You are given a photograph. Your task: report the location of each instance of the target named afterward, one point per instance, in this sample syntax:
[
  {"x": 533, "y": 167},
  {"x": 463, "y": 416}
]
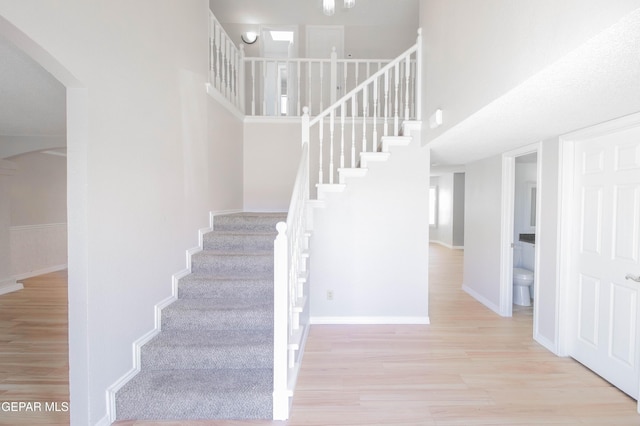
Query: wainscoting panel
[{"x": 38, "y": 249}]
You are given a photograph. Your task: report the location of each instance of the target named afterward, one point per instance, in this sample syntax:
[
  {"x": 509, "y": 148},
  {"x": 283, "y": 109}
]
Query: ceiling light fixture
[
  {"x": 328, "y": 7},
  {"x": 249, "y": 37}
]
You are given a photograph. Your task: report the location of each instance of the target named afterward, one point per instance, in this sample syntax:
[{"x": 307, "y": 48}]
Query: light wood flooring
[
  {"x": 468, "y": 367},
  {"x": 34, "y": 352}
]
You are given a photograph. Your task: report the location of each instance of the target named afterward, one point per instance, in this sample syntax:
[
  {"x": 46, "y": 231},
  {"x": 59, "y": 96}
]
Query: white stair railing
[
  {"x": 290, "y": 301},
  {"x": 377, "y": 105},
  {"x": 226, "y": 70},
  {"x": 280, "y": 86}
]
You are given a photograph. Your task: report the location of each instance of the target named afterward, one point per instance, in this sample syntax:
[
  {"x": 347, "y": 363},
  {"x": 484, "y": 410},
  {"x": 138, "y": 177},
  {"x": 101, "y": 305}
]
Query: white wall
[
  {"x": 369, "y": 247},
  {"x": 477, "y": 51},
  {"x": 482, "y": 231},
  {"x": 271, "y": 156},
  {"x": 142, "y": 132}
]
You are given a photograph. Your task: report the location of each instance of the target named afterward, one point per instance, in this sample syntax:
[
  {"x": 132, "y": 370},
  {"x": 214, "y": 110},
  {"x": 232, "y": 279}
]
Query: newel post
[
  {"x": 305, "y": 125},
  {"x": 280, "y": 323},
  {"x": 334, "y": 75},
  {"x": 419, "y": 75}
]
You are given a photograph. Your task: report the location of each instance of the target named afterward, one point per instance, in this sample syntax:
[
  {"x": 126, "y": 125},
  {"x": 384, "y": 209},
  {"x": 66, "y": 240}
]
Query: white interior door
[{"x": 606, "y": 244}]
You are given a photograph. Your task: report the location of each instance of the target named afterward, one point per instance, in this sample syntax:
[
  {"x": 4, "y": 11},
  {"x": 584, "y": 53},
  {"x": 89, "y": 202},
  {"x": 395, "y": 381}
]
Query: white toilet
[{"x": 522, "y": 280}]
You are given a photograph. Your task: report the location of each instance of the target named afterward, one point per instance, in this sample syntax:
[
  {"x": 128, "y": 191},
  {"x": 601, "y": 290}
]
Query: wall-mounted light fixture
[
  {"x": 436, "y": 119},
  {"x": 249, "y": 37}
]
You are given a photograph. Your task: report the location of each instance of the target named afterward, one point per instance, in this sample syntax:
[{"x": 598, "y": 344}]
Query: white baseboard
[
  {"x": 103, "y": 421},
  {"x": 345, "y": 320},
  {"x": 548, "y": 344},
  {"x": 486, "y": 302},
  {"x": 42, "y": 271},
  {"x": 9, "y": 286}
]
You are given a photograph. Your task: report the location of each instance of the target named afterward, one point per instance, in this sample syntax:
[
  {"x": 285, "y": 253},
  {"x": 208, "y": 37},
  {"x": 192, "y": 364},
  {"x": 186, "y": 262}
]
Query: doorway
[
  {"x": 520, "y": 208},
  {"x": 76, "y": 135}
]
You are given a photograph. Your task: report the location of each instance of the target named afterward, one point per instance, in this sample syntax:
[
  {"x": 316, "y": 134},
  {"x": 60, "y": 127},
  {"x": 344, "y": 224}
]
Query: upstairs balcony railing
[{"x": 280, "y": 87}]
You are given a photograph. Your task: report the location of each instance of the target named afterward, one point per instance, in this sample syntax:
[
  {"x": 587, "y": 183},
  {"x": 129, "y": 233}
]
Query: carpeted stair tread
[
  {"x": 239, "y": 241},
  {"x": 248, "y": 221},
  {"x": 197, "y": 314},
  {"x": 175, "y": 349},
  {"x": 234, "y": 264},
  {"x": 197, "y": 394},
  {"x": 195, "y": 286}
]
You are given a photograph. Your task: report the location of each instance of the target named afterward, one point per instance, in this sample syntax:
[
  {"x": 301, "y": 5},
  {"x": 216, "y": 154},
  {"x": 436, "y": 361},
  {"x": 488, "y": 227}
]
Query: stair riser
[
  {"x": 197, "y": 319},
  {"x": 233, "y": 265},
  {"x": 239, "y": 242},
  {"x": 179, "y": 357}
]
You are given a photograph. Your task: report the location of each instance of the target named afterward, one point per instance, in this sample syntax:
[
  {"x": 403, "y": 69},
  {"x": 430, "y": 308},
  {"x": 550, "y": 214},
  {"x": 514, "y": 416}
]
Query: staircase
[{"x": 213, "y": 358}]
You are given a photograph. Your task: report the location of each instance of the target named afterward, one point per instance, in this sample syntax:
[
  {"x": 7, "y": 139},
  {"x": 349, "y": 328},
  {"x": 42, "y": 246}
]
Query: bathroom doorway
[
  {"x": 520, "y": 210},
  {"x": 524, "y": 232}
]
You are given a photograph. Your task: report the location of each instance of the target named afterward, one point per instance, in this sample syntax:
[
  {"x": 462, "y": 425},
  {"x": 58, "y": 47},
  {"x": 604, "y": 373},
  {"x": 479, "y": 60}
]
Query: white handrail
[
  {"x": 395, "y": 81},
  {"x": 289, "y": 298}
]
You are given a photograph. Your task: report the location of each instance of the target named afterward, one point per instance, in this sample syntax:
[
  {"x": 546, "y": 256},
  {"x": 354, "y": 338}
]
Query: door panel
[{"x": 607, "y": 247}]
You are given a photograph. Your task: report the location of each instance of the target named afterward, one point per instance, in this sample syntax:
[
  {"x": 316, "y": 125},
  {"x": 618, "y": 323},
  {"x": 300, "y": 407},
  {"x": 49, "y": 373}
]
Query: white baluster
[
  {"x": 365, "y": 105},
  {"x": 354, "y": 113},
  {"x": 321, "y": 89},
  {"x": 276, "y": 101},
  {"x": 309, "y": 66},
  {"x": 241, "y": 81},
  {"x": 396, "y": 76},
  {"x": 264, "y": 87},
  {"x": 418, "y": 74},
  {"x": 212, "y": 75},
  {"x": 342, "y": 117},
  {"x": 218, "y": 57},
  {"x": 333, "y": 69},
  {"x": 286, "y": 64},
  {"x": 331, "y": 132},
  {"x": 344, "y": 86},
  {"x": 407, "y": 70},
  {"x": 386, "y": 102},
  {"x": 253, "y": 87},
  {"x": 356, "y": 85},
  {"x": 375, "y": 114},
  {"x": 299, "y": 80},
  {"x": 320, "y": 150}
]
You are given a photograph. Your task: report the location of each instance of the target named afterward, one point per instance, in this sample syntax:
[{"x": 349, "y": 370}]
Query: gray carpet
[{"x": 213, "y": 358}]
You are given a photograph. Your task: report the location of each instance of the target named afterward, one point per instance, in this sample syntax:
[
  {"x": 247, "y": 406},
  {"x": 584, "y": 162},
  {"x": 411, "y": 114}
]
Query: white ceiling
[
  {"x": 309, "y": 12},
  {"x": 32, "y": 104},
  {"x": 597, "y": 82}
]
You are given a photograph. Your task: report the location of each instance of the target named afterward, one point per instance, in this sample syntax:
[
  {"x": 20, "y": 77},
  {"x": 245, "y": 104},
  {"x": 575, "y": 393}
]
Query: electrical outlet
[{"x": 329, "y": 294}]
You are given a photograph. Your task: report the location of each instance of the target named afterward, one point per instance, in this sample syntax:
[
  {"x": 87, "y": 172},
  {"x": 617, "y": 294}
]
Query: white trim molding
[
  {"x": 486, "y": 302},
  {"x": 10, "y": 285}
]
